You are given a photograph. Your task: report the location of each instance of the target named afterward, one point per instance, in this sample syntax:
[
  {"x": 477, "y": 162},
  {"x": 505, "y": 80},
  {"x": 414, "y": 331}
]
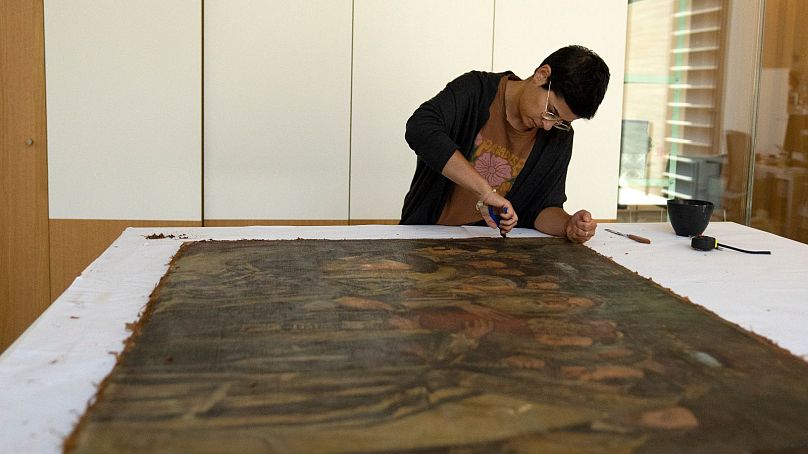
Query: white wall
[
  {"x": 123, "y": 109},
  {"x": 526, "y": 31},
  {"x": 305, "y": 102},
  {"x": 277, "y": 109},
  {"x": 405, "y": 51}
]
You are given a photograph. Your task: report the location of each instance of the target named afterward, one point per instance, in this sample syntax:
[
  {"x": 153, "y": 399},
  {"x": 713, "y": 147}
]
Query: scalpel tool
[
  {"x": 496, "y": 217},
  {"x": 636, "y": 238}
]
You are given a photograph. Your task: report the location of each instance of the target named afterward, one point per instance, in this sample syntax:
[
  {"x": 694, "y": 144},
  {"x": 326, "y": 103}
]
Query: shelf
[
  {"x": 691, "y": 87},
  {"x": 679, "y": 158},
  {"x": 693, "y": 50},
  {"x": 697, "y": 12},
  {"x": 687, "y": 142},
  {"x": 688, "y": 105},
  {"x": 693, "y": 158},
  {"x": 675, "y": 194},
  {"x": 689, "y": 124},
  {"x": 694, "y": 68},
  {"x": 696, "y": 31},
  {"x": 674, "y": 176}
]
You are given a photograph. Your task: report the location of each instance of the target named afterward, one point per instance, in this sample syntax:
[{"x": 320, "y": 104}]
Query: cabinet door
[
  {"x": 277, "y": 109},
  {"x": 527, "y": 31},
  {"x": 405, "y": 51},
  {"x": 23, "y": 171},
  {"x": 124, "y": 111}
]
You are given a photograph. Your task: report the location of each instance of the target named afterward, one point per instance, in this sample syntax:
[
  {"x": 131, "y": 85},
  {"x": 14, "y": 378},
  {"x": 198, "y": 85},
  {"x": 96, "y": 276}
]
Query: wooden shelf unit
[{"x": 692, "y": 135}]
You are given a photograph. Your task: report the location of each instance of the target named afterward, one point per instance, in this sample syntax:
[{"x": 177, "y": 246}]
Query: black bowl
[{"x": 689, "y": 217}]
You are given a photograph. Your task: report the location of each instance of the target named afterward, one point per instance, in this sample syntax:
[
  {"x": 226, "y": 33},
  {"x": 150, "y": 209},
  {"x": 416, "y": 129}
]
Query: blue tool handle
[{"x": 493, "y": 214}]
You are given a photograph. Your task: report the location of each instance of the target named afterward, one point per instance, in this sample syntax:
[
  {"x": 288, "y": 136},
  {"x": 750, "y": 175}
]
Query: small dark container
[{"x": 689, "y": 217}]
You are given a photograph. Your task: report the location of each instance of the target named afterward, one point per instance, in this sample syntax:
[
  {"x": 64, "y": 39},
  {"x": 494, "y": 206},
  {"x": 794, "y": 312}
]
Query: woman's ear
[{"x": 542, "y": 75}]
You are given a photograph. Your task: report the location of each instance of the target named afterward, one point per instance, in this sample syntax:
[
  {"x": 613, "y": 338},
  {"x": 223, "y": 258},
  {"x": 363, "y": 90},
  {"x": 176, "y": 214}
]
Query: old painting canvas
[{"x": 480, "y": 345}]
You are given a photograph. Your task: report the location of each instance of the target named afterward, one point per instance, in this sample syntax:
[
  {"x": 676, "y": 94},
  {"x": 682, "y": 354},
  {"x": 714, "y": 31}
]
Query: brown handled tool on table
[{"x": 636, "y": 238}]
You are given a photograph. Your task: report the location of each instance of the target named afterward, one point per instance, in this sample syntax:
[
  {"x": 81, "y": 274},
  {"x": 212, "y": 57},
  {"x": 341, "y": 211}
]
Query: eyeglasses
[{"x": 558, "y": 123}]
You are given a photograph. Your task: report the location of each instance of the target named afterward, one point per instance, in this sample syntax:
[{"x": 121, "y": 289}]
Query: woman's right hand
[{"x": 502, "y": 207}]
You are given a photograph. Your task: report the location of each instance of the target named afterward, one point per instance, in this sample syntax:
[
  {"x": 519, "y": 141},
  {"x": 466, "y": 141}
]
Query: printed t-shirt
[{"x": 500, "y": 152}]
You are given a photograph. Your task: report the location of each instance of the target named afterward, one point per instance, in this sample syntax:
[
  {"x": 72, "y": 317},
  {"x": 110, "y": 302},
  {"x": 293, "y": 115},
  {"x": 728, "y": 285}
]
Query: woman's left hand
[{"x": 580, "y": 227}]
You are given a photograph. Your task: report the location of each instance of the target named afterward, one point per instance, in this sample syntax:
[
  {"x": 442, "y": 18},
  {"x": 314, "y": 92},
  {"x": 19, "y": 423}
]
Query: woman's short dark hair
[{"x": 579, "y": 76}]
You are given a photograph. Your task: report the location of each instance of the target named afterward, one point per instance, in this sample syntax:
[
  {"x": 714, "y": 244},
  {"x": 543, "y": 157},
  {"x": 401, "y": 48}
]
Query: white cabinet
[
  {"x": 405, "y": 51},
  {"x": 526, "y": 31},
  {"x": 124, "y": 109},
  {"x": 304, "y": 105},
  {"x": 277, "y": 109}
]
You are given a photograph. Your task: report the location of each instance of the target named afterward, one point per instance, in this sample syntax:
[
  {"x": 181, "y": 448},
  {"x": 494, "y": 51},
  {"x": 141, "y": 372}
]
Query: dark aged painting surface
[{"x": 480, "y": 345}]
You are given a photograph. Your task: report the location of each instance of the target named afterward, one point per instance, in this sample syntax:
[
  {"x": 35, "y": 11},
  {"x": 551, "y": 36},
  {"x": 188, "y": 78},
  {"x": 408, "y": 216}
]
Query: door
[
  {"x": 24, "y": 278},
  {"x": 277, "y": 111}
]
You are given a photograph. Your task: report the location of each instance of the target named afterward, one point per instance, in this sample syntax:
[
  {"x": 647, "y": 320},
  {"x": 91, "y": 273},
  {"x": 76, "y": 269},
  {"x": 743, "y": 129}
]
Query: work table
[{"x": 51, "y": 372}]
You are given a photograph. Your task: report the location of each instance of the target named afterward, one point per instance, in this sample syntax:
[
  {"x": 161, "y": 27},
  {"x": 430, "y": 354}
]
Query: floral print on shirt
[{"x": 496, "y": 163}]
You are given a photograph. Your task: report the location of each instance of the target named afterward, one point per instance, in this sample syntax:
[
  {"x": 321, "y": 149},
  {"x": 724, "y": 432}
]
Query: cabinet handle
[{"x": 29, "y": 141}]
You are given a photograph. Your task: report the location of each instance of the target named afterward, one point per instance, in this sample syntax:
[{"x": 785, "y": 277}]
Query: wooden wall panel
[
  {"x": 781, "y": 19},
  {"x": 405, "y": 51},
  {"x": 23, "y": 169},
  {"x": 75, "y": 243}
]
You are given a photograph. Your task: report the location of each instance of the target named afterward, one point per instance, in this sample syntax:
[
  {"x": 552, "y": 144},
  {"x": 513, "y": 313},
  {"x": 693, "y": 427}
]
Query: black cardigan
[{"x": 450, "y": 121}]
